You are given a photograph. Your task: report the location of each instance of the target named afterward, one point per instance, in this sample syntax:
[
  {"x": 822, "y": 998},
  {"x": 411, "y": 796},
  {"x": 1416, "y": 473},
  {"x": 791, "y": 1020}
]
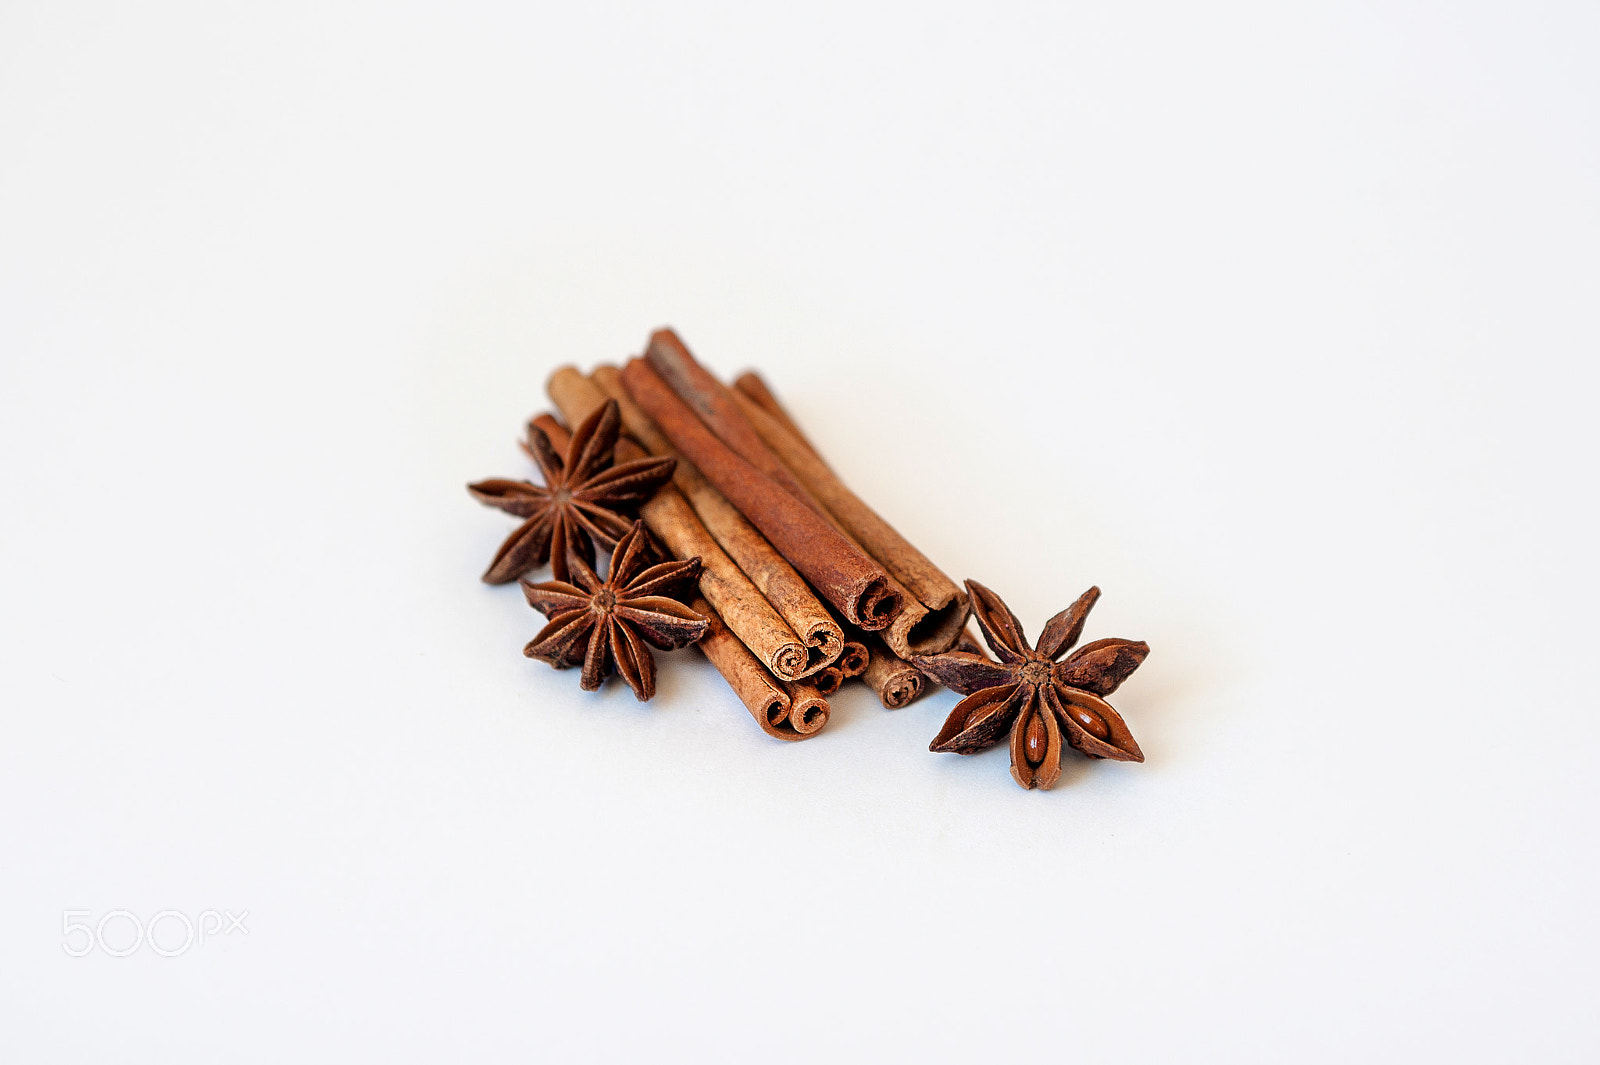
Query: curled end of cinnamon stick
[
  {"x": 778, "y": 712},
  {"x": 901, "y": 689},
  {"x": 808, "y": 709},
  {"x": 827, "y": 680},
  {"x": 876, "y": 605},
  {"x": 852, "y": 661},
  {"x": 774, "y": 713},
  {"x": 924, "y": 630},
  {"x": 824, "y": 644},
  {"x": 901, "y": 693},
  {"x": 896, "y": 681},
  {"x": 790, "y": 662}
]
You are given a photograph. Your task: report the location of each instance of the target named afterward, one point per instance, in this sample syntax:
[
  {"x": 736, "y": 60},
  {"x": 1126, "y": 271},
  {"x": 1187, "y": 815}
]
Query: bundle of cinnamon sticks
[
  {"x": 804, "y": 586},
  {"x": 728, "y": 530}
]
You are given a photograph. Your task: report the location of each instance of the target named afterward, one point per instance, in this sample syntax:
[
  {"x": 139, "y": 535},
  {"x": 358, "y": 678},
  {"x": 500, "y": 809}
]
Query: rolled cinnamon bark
[
  {"x": 784, "y": 588},
  {"x": 716, "y": 406},
  {"x": 755, "y": 389},
  {"x": 757, "y": 437},
  {"x": 808, "y": 710},
  {"x": 853, "y": 659},
  {"x": 856, "y": 585},
  {"x": 827, "y": 680},
  {"x": 947, "y": 606},
  {"x": 669, "y": 516},
  {"x": 768, "y": 700},
  {"x": 913, "y": 614},
  {"x": 896, "y": 681}
]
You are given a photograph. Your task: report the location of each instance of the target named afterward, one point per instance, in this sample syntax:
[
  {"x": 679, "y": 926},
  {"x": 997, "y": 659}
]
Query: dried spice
[
  {"x": 1027, "y": 692},
  {"x": 773, "y": 577},
  {"x": 896, "y": 681},
  {"x": 753, "y": 387},
  {"x": 801, "y": 586},
  {"x": 784, "y": 710},
  {"x": 837, "y": 568},
  {"x": 605, "y": 625},
  {"x": 935, "y": 622},
  {"x": 853, "y": 659},
  {"x": 827, "y": 680},
  {"x": 934, "y": 610},
  {"x": 582, "y": 501},
  {"x": 669, "y": 515}
]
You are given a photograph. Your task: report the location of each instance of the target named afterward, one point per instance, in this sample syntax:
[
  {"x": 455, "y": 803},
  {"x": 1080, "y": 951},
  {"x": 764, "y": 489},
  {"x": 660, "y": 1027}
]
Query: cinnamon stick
[
  {"x": 934, "y": 608},
  {"x": 896, "y": 681},
  {"x": 827, "y": 680},
  {"x": 667, "y": 514},
  {"x": 755, "y": 389},
  {"x": 947, "y": 607},
  {"x": 853, "y": 659},
  {"x": 856, "y": 585},
  {"x": 778, "y": 582},
  {"x": 769, "y": 701},
  {"x": 808, "y": 710},
  {"x": 716, "y": 406}
]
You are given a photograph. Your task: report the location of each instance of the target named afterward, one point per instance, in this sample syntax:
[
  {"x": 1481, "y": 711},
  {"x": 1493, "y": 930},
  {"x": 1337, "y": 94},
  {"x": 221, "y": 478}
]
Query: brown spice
[
  {"x": 605, "y": 625},
  {"x": 777, "y": 581},
  {"x": 1034, "y": 697},
  {"x": 934, "y": 622},
  {"x": 809, "y": 707},
  {"x": 911, "y": 633},
  {"x": 853, "y": 659},
  {"x": 716, "y": 406},
  {"x": 752, "y": 387},
  {"x": 560, "y": 436},
  {"x": 896, "y": 681},
  {"x": 856, "y": 585},
  {"x": 772, "y": 703},
  {"x": 736, "y": 601},
  {"x": 827, "y": 680},
  {"x": 581, "y": 502}
]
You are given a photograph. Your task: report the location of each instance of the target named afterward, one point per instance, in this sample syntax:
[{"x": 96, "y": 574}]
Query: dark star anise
[
  {"x": 604, "y": 625},
  {"x": 1032, "y": 695},
  {"x": 579, "y": 503}
]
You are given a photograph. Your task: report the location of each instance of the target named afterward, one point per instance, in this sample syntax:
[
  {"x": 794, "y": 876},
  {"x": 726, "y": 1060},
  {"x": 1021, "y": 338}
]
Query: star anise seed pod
[
  {"x": 579, "y": 503},
  {"x": 604, "y": 625},
  {"x": 1039, "y": 700}
]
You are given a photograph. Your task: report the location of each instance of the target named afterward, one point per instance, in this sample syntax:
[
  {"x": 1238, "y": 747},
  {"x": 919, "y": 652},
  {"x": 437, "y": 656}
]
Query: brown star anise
[
  {"x": 579, "y": 502},
  {"x": 604, "y": 625},
  {"x": 1034, "y": 696}
]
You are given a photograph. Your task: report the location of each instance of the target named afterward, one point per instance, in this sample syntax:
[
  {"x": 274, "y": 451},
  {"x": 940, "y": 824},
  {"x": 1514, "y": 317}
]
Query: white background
[{"x": 1278, "y": 322}]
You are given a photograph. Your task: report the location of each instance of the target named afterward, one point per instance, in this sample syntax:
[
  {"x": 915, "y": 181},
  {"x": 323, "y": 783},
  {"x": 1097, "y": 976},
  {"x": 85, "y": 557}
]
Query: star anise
[
  {"x": 579, "y": 504},
  {"x": 604, "y": 625},
  {"x": 1029, "y": 693}
]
